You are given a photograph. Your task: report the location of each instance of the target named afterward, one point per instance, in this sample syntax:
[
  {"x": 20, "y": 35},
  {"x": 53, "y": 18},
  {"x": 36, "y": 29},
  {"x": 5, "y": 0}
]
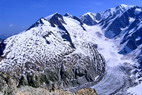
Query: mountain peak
[
  {"x": 68, "y": 14},
  {"x": 89, "y": 18},
  {"x": 124, "y": 6},
  {"x": 38, "y": 22},
  {"x": 53, "y": 15},
  {"x": 89, "y": 13},
  {"x": 55, "y": 19}
]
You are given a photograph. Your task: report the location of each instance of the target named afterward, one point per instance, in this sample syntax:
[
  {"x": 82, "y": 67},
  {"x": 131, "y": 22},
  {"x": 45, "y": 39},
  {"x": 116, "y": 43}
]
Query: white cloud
[{"x": 11, "y": 25}]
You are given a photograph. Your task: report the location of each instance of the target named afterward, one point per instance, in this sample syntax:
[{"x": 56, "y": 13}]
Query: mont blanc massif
[{"x": 99, "y": 51}]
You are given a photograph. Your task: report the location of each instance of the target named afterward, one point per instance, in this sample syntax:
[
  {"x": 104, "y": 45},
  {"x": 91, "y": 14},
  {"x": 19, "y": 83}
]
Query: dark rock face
[
  {"x": 57, "y": 19},
  {"x": 134, "y": 40},
  {"x": 98, "y": 16},
  {"x": 116, "y": 26},
  {"x": 2, "y": 47},
  {"x": 67, "y": 14},
  {"x": 89, "y": 19}
]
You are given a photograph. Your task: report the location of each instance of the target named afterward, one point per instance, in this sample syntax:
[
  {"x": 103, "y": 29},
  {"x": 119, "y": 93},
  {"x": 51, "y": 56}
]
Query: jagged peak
[
  {"x": 53, "y": 15},
  {"x": 57, "y": 20},
  {"x": 68, "y": 15},
  {"x": 89, "y": 13},
  {"x": 117, "y": 10},
  {"x": 41, "y": 21},
  {"x": 124, "y": 6}
]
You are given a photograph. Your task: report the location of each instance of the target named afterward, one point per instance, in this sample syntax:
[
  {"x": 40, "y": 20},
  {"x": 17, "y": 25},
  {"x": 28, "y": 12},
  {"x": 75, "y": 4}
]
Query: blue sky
[{"x": 17, "y": 15}]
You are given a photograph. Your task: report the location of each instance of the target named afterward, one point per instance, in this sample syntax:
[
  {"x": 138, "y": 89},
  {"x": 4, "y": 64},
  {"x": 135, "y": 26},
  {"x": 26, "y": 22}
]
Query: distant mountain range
[
  {"x": 3, "y": 37},
  {"x": 123, "y": 24},
  {"x": 98, "y": 50}
]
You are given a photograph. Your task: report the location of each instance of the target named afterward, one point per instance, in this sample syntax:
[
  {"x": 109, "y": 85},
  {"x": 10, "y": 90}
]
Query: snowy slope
[
  {"x": 21, "y": 47},
  {"x": 136, "y": 90},
  {"x": 107, "y": 47},
  {"x": 117, "y": 78}
]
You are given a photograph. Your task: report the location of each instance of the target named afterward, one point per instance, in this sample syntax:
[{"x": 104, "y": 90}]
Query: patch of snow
[
  {"x": 112, "y": 10},
  {"x": 126, "y": 6},
  {"x": 138, "y": 38},
  {"x": 137, "y": 90},
  {"x": 131, "y": 19},
  {"x": 132, "y": 31},
  {"x": 137, "y": 11}
]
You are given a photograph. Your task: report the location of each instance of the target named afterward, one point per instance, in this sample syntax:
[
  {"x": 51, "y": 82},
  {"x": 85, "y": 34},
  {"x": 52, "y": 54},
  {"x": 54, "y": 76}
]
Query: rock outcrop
[{"x": 37, "y": 91}]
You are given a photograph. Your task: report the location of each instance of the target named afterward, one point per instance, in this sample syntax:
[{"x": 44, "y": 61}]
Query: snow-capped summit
[
  {"x": 112, "y": 13},
  {"x": 125, "y": 6},
  {"x": 90, "y": 18}
]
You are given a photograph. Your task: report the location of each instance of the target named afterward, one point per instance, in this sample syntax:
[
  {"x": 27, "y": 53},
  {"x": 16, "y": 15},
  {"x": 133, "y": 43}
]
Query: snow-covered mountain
[
  {"x": 125, "y": 28},
  {"x": 98, "y": 50},
  {"x": 123, "y": 24},
  {"x": 55, "y": 51}
]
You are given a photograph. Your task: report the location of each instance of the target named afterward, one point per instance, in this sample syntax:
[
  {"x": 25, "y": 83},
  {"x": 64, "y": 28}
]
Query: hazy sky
[{"x": 17, "y": 15}]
